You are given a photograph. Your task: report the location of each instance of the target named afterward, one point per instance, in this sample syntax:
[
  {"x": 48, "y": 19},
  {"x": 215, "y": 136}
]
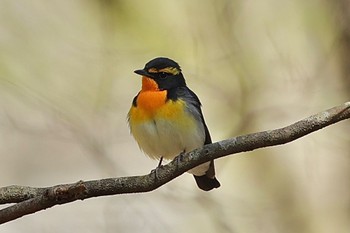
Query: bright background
[{"x": 67, "y": 82}]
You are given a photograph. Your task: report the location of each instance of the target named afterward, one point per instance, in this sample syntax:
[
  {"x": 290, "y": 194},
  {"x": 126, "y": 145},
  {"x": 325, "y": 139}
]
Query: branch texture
[{"x": 30, "y": 199}]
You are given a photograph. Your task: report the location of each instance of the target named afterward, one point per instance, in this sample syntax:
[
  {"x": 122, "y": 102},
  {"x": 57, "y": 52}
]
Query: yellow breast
[
  {"x": 164, "y": 128},
  {"x": 153, "y": 104}
]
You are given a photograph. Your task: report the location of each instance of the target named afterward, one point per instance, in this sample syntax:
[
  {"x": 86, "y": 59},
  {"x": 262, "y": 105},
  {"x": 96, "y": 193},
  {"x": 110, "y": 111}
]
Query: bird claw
[
  {"x": 159, "y": 166},
  {"x": 180, "y": 158},
  {"x": 155, "y": 171}
]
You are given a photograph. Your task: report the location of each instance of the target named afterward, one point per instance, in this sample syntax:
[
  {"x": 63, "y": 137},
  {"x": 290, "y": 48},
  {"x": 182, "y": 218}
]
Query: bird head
[{"x": 161, "y": 74}]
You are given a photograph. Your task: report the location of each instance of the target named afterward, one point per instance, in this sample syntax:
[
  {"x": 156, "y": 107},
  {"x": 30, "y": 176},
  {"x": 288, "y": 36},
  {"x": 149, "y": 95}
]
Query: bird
[{"x": 166, "y": 119}]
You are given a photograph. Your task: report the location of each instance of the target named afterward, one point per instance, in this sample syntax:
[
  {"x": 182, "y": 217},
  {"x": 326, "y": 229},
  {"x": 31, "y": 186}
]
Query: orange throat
[
  {"x": 150, "y": 98},
  {"x": 149, "y": 84}
]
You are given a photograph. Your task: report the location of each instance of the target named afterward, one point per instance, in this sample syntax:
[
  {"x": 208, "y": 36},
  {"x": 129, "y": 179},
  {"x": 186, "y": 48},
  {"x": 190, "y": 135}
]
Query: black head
[{"x": 166, "y": 73}]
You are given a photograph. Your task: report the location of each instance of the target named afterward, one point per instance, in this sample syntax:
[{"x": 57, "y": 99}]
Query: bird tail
[{"x": 208, "y": 181}]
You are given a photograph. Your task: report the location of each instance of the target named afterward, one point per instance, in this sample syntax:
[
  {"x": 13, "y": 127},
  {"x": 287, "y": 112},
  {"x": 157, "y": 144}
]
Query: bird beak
[{"x": 143, "y": 73}]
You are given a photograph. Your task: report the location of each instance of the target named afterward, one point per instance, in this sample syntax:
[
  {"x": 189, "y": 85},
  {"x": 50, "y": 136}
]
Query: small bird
[{"x": 166, "y": 118}]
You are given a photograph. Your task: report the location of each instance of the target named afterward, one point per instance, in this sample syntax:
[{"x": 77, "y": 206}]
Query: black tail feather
[{"x": 205, "y": 183}]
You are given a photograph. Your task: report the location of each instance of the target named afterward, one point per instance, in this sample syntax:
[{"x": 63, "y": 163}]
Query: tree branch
[{"x": 30, "y": 199}]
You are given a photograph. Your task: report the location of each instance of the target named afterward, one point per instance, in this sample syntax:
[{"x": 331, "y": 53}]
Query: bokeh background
[{"x": 67, "y": 82}]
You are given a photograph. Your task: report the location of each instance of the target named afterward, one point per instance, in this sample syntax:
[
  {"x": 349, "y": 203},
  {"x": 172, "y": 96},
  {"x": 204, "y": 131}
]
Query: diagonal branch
[{"x": 30, "y": 200}]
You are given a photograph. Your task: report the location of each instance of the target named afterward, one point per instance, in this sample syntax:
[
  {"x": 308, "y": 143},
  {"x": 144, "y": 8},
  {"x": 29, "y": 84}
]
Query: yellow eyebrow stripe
[
  {"x": 170, "y": 70},
  {"x": 152, "y": 70}
]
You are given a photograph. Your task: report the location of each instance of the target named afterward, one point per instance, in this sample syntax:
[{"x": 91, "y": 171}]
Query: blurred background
[{"x": 67, "y": 82}]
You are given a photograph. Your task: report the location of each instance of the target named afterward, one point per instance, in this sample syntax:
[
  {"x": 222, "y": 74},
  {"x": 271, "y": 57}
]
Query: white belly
[
  {"x": 167, "y": 139},
  {"x": 161, "y": 138}
]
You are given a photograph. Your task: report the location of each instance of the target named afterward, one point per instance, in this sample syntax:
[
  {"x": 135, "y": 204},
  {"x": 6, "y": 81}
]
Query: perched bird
[{"x": 166, "y": 118}]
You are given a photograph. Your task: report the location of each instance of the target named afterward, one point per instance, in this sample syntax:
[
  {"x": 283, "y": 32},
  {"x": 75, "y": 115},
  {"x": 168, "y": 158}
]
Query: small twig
[{"x": 30, "y": 200}]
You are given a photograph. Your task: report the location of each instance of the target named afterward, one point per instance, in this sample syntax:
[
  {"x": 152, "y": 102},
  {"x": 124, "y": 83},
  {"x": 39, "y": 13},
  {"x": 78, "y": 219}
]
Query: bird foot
[
  {"x": 159, "y": 166},
  {"x": 180, "y": 158}
]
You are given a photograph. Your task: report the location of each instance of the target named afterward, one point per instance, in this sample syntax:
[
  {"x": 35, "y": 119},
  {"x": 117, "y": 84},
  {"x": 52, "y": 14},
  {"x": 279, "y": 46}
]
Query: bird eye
[{"x": 163, "y": 75}]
